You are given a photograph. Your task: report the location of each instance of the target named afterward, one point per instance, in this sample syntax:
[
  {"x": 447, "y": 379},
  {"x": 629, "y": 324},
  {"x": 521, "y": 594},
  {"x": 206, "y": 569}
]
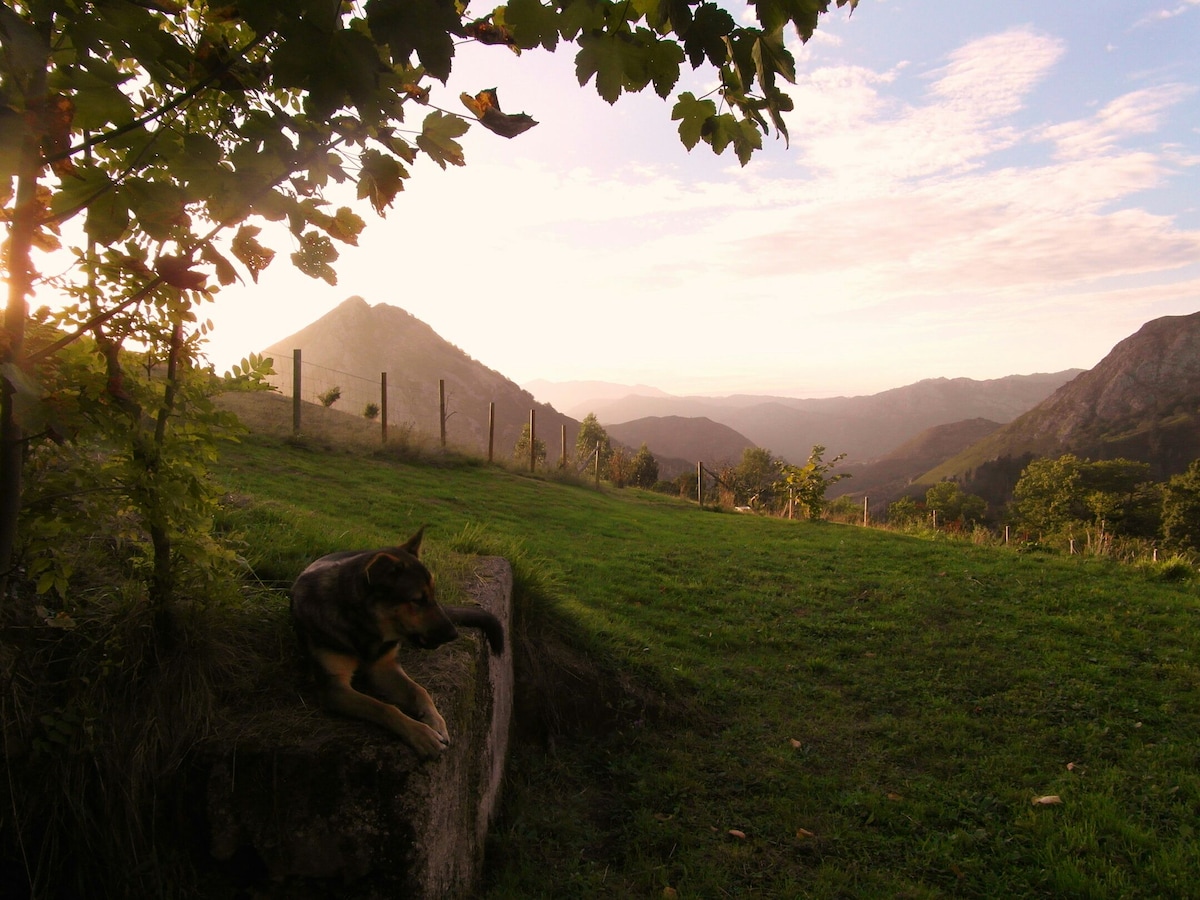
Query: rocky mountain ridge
[{"x": 1142, "y": 401}]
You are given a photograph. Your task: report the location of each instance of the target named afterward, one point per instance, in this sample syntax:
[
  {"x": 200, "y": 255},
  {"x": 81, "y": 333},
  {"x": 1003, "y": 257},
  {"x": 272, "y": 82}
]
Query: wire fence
[{"x": 421, "y": 412}]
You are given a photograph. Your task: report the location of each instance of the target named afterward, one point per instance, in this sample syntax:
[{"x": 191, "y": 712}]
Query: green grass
[{"x": 874, "y": 712}]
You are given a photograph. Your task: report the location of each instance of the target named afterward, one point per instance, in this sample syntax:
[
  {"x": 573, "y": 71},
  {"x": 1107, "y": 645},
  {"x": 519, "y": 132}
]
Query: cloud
[
  {"x": 1137, "y": 113},
  {"x": 1170, "y": 12},
  {"x": 960, "y": 121}
]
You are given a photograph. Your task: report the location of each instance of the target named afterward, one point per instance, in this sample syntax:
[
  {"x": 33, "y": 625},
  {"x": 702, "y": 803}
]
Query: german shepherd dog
[{"x": 351, "y": 610}]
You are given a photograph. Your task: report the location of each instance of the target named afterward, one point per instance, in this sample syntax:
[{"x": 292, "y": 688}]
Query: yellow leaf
[
  {"x": 1051, "y": 800},
  {"x": 802, "y": 833},
  {"x": 740, "y": 835}
]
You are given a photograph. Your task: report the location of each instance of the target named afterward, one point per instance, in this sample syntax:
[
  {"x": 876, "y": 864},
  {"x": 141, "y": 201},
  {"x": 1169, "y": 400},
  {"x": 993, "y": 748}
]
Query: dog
[{"x": 352, "y": 609}]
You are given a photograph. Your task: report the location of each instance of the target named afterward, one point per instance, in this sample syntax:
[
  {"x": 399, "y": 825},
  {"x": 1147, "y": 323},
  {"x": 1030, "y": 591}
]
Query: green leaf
[
  {"x": 345, "y": 226},
  {"x": 662, "y": 65},
  {"x": 618, "y": 62},
  {"x": 774, "y": 14},
  {"x": 159, "y": 206},
  {"x": 705, "y": 39},
  {"x": 107, "y": 217},
  {"x": 692, "y": 114},
  {"x": 771, "y": 57},
  {"x": 437, "y": 138},
  {"x": 99, "y": 102},
  {"x": 29, "y": 408},
  {"x": 777, "y": 104},
  {"x": 725, "y": 129},
  {"x": 314, "y": 257},
  {"x": 531, "y": 23},
  {"x": 226, "y": 273},
  {"x": 380, "y": 179},
  {"x": 580, "y": 16},
  {"x": 253, "y": 255},
  {"x": 12, "y": 139},
  {"x": 424, "y": 27}
]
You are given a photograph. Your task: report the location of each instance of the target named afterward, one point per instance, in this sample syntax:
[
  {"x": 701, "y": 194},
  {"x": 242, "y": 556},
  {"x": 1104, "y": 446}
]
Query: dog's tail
[{"x": 474, "y": 617}]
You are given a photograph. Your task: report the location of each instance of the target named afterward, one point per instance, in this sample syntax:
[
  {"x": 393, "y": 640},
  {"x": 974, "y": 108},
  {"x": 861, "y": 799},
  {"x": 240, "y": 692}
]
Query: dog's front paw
[
  {"x": 435, "y": 721},
  {"x": 425, "y": 741}
]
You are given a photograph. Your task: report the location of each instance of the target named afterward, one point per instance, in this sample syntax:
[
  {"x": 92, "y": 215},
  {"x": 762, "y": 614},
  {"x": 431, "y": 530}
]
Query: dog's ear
[
  {"x": 383, "y": 569},
  {"x": 413, "y": 545}
]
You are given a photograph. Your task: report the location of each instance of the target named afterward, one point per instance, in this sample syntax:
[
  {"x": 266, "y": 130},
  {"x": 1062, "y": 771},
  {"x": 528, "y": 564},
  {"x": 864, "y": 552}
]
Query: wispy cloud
[
  {"x": 1170, "y": 12},
  {"x": 1134, "y": 114}
]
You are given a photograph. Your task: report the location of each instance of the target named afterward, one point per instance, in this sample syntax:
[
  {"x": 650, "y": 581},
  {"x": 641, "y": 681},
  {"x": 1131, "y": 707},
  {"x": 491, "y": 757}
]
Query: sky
[{"x": 971, "y": 189}]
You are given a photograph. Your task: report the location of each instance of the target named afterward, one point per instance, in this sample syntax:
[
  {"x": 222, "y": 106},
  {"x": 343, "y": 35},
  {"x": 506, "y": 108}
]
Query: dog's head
[{"x": 402, "y": 593}]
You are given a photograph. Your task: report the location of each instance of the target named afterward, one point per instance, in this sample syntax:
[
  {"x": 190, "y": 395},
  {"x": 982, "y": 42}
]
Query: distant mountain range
[
  {"x": 1142, "y": 402},
  {"x": 576, "y": 397},
  {"x": 864, "y": 428}
]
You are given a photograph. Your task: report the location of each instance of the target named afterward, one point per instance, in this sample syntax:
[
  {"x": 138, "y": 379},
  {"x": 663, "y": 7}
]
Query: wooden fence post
[
  {"x": 865, "y": 519},
  {"x": 562, "y": 457},
  {"x": 383, "y": 404},
  {"x": 442, "y": 409},
  {"x": 597, "y": 465},
  {"x": 532, "y": 441},
  {"x": 700, "y": 483},
  {"x": 491, "y": 428},
  {"x": 296, "y": 393}
]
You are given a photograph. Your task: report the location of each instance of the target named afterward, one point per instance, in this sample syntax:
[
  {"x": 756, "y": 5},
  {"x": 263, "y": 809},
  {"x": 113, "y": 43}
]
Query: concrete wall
[{"x": 311, "y": 805}]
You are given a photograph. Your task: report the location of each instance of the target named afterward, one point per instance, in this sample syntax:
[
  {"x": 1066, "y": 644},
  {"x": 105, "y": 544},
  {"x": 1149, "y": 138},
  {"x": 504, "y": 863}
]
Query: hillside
[
  {"x": 886, "y": 479},
  {"x": 1142, "y": 402},
  {"x": 864, "y": 428},
  {"x": 362, "y": 341},
  {"x": 678, "y": 443},
  {"x": 813, "y": 688}
]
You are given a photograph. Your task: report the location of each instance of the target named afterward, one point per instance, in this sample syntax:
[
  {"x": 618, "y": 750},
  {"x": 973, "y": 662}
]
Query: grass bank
[{"x": 784, "y": 709}]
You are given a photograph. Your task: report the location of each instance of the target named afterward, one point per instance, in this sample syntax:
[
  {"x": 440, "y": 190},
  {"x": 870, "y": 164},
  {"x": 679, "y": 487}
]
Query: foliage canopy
[{"x": 166, "y": 133}]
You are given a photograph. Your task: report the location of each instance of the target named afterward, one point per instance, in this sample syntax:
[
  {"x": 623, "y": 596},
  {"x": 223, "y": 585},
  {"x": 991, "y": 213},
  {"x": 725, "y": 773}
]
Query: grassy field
[{"x": 718, "y": 705}]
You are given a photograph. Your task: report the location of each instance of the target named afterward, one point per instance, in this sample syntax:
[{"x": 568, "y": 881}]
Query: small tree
[
  {"x": 521, "y": 450},
  {"x": 619, "y": 467},
  {"x": 330, "y": 397},
  {"x": 807, "y": 484},
  {"x": 371, "y": 411},
  {"x": 685, "y": 482},
  {"x": 591, "y": 435},
  {"x": 643, "y": 469},
  {"x": 905, "y": 511},
  {"x": 755, "y": 478},
  {"x": 953, "y": 504},
  {"x": 1181, "y": 509}
]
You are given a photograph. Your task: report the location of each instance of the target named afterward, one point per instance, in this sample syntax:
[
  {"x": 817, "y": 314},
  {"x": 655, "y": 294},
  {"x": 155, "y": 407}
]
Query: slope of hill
[
  {"x": 678, "y": 443},
  {"x": 864, "y": 428},
  {"x": 362, "y": 341},
  {"x": 1142, "y": 402},
  {"x": 885, "y": 480}
]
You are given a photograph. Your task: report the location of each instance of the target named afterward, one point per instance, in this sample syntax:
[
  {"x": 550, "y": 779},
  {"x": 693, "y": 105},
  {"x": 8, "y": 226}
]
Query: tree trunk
[{"x": 12, "y": 337}]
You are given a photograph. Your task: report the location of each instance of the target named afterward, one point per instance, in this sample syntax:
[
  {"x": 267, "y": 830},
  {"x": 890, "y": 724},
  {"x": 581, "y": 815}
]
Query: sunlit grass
[{"x": 786, "y": 709}]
